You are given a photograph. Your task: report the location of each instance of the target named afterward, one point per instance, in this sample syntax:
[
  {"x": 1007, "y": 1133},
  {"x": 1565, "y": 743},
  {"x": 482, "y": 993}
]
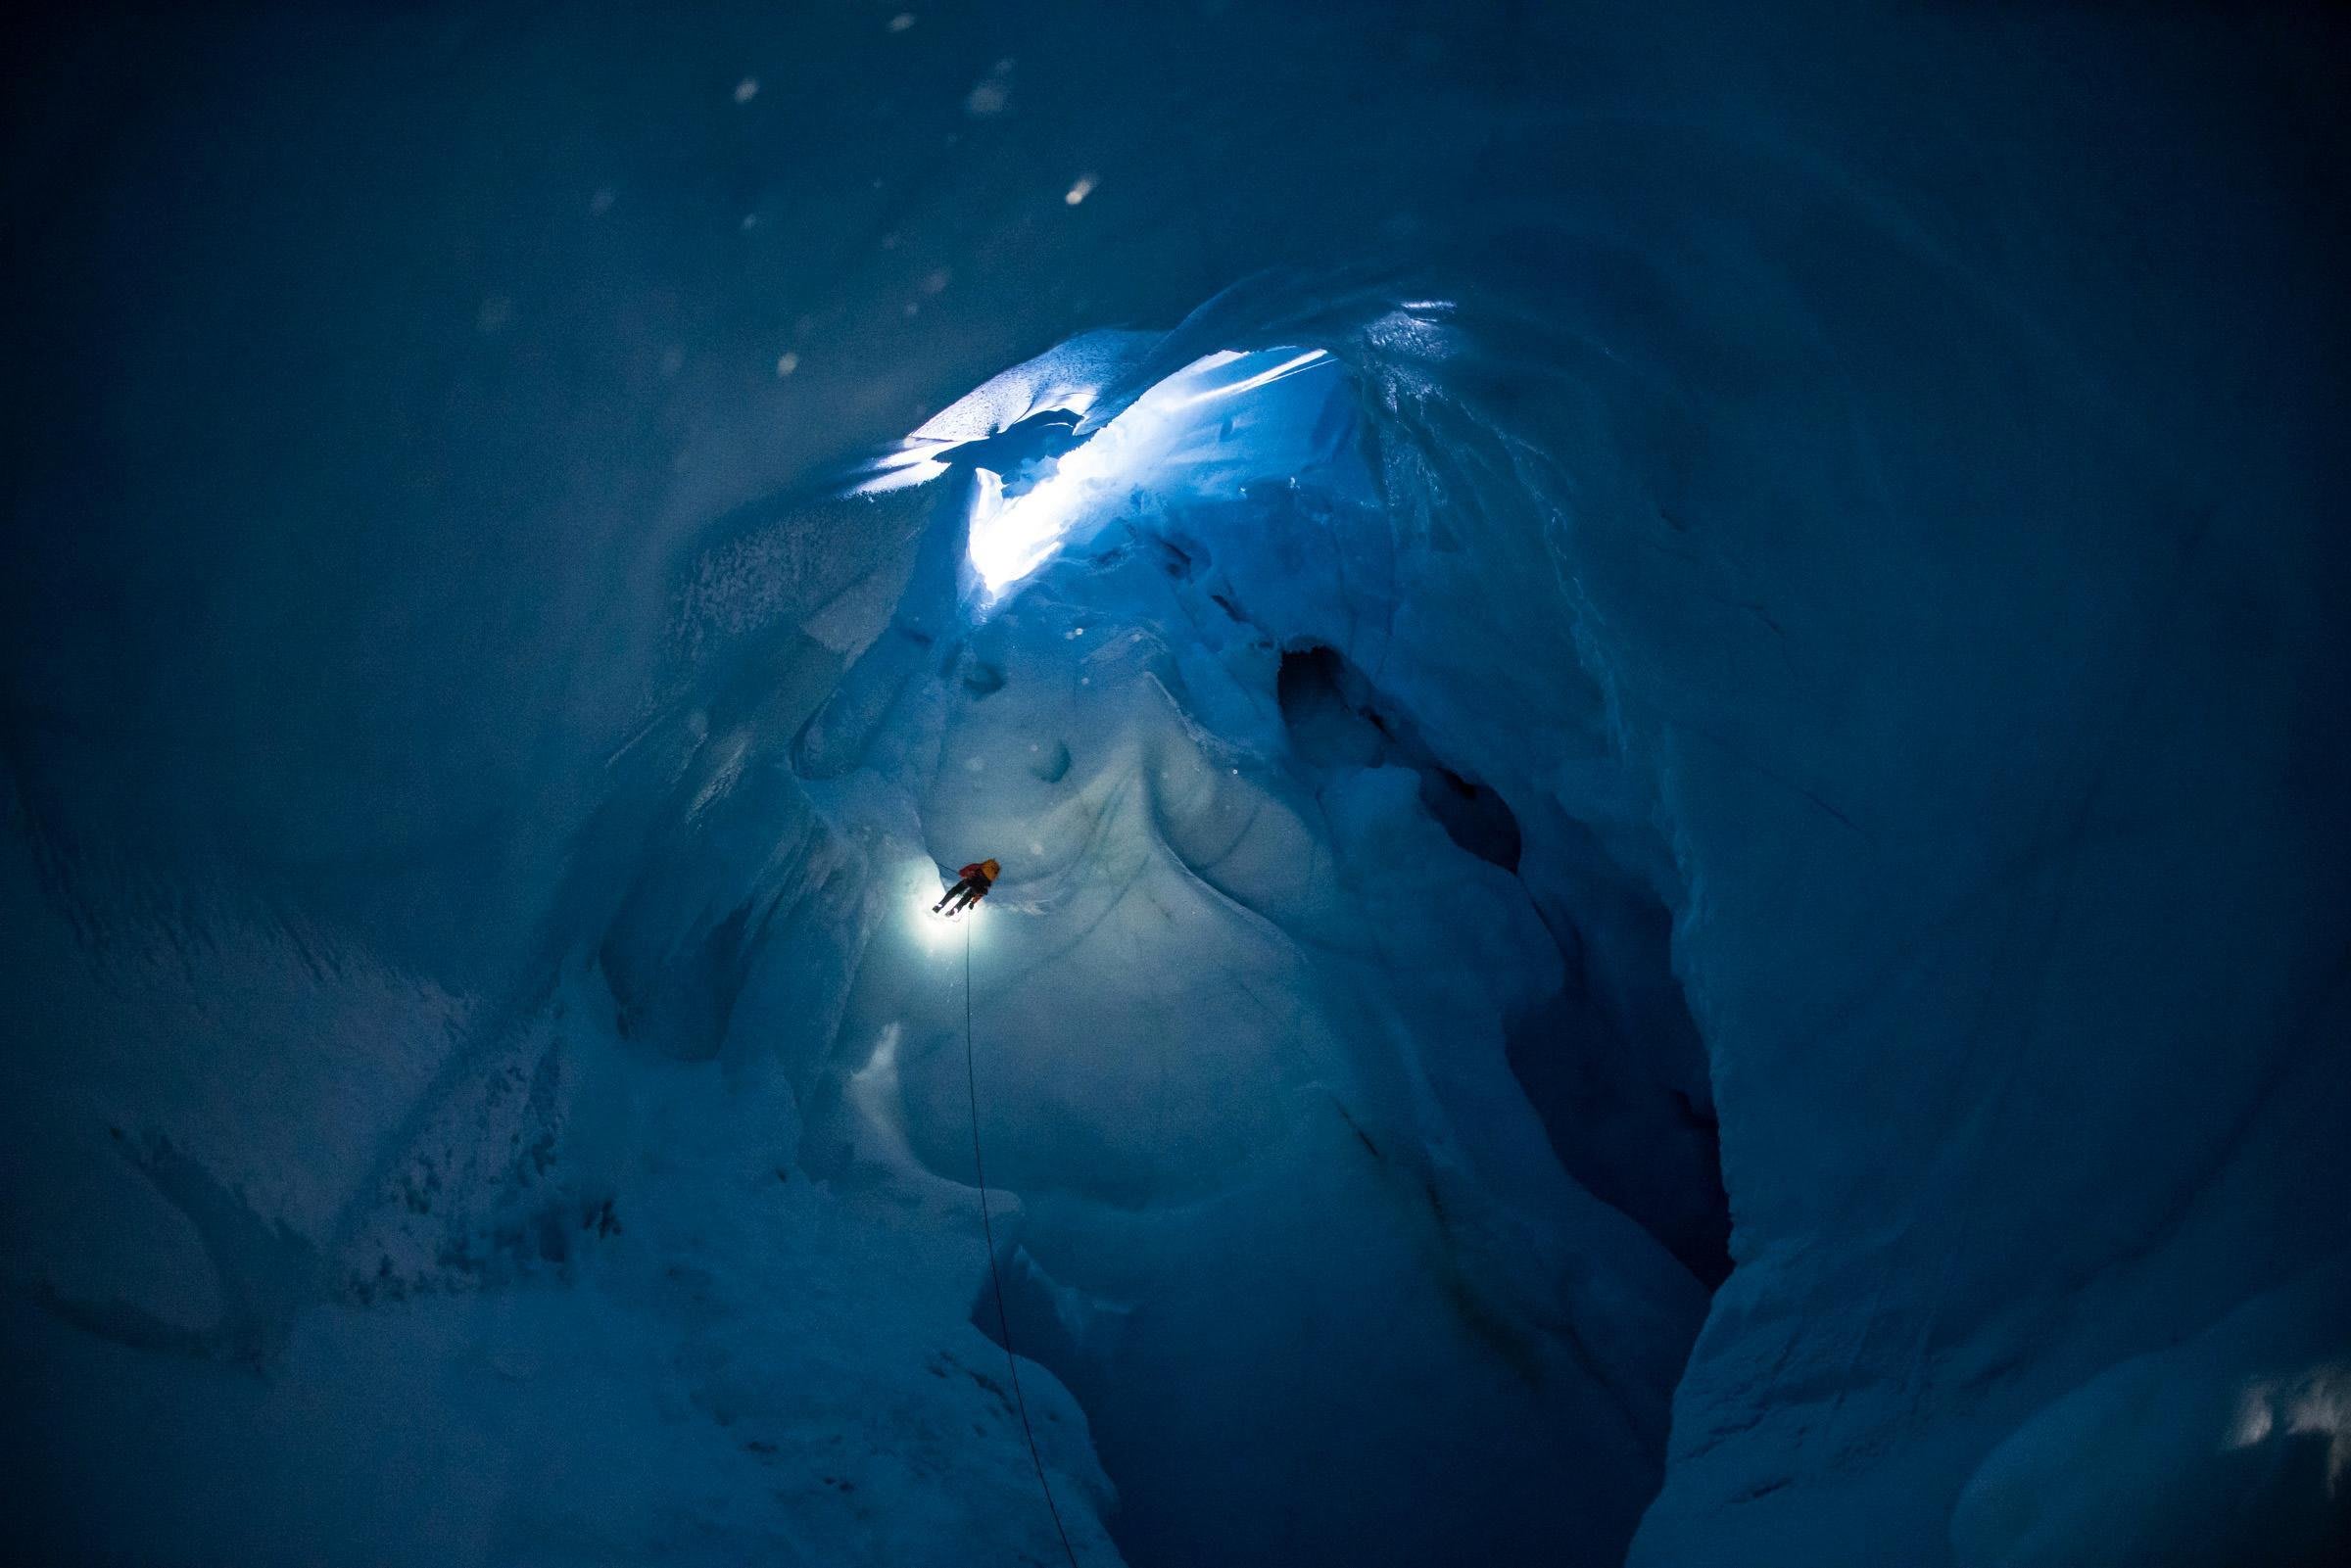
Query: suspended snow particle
[
  {"x": 602, "y": 202},
  {"x": 2253, "y": 1416},
  {"x": 747, "y": 89},
  {"x": 993, "y": 94},
  {"x": 750, "y": 222},
  {"x": 914, "y": 307},
  {"x": 937, "y": 281},
  {"x": 673, "y": 360},
  {"x": 901, "y": 22},
  {"x": 786, "y": 363},
  {"x": 1080, "y": 191},
  {"x": 496, "y": 312}
]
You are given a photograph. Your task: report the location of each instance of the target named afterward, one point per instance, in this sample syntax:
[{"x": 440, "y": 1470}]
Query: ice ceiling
[
  {"x": 1661, "y": 696},
  {"x": 1200, "y": 420}
]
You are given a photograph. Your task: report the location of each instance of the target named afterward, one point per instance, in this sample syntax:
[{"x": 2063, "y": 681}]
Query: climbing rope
[{"x": 995, "y": 1275}]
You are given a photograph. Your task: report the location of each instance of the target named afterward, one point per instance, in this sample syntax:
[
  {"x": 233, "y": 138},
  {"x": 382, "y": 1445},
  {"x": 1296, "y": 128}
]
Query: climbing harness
[{"x": 995, "y": 1276}]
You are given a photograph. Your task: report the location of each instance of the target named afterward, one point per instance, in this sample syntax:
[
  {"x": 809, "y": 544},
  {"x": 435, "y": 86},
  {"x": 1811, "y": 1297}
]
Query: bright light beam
[
  {"x": 936, "y": 932},
  {"x": 1012, "y": 538},
  {"x": 1263, "y": 378}
]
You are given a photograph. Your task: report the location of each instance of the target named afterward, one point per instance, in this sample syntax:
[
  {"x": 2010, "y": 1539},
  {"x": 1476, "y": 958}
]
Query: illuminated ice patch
[
  {"x": 936, "y": 932},
  {"x": 1011, "y": 536}
]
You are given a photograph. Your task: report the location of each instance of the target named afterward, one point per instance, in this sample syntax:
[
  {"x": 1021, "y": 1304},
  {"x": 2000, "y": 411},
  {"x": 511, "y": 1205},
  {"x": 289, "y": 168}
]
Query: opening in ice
[{"x": 1219, "y": 424}]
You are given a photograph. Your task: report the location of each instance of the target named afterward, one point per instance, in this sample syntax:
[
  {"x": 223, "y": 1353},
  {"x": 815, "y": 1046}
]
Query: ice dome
[{"x": 1661, "y": 697}]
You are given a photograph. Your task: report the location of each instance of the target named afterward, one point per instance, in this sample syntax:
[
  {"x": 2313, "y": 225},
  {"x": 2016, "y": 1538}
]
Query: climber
[{"x": 978, "y": 879}]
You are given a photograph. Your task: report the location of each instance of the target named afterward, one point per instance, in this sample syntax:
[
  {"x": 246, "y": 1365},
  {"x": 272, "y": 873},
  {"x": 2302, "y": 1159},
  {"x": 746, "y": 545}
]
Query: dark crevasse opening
[
  {"x": 1615, "y": 1067},
  {"x": 1612, "y": 1061},
  {"x": 1335, "y": 718}
]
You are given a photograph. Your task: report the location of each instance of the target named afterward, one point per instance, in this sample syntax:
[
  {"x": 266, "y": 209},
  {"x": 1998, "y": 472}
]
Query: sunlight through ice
[{"x": 1012, "y": 538}]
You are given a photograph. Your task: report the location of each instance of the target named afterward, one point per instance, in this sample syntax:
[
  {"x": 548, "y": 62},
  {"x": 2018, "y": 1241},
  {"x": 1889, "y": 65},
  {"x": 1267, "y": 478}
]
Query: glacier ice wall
[{"x": 1691, "y": 903}]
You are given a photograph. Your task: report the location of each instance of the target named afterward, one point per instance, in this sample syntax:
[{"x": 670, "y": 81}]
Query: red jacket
[{"x": 983, "y": 871}]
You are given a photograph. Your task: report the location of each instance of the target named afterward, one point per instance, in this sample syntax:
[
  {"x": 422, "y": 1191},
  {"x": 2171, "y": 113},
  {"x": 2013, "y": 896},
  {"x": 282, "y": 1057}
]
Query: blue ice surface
[{"x": 1686, "y": 903}]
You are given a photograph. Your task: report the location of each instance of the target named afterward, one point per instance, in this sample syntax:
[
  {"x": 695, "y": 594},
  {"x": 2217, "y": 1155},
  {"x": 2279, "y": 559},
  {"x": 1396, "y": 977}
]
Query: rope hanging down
[{"x": 987, "y": 1228}]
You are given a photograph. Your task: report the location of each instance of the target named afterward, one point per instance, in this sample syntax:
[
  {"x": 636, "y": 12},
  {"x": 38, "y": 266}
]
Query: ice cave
[{"x": 1659, "y": 697}]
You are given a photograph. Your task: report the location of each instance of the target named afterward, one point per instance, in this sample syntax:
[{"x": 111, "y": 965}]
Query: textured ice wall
[{"x": 1989, "y": 812}]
